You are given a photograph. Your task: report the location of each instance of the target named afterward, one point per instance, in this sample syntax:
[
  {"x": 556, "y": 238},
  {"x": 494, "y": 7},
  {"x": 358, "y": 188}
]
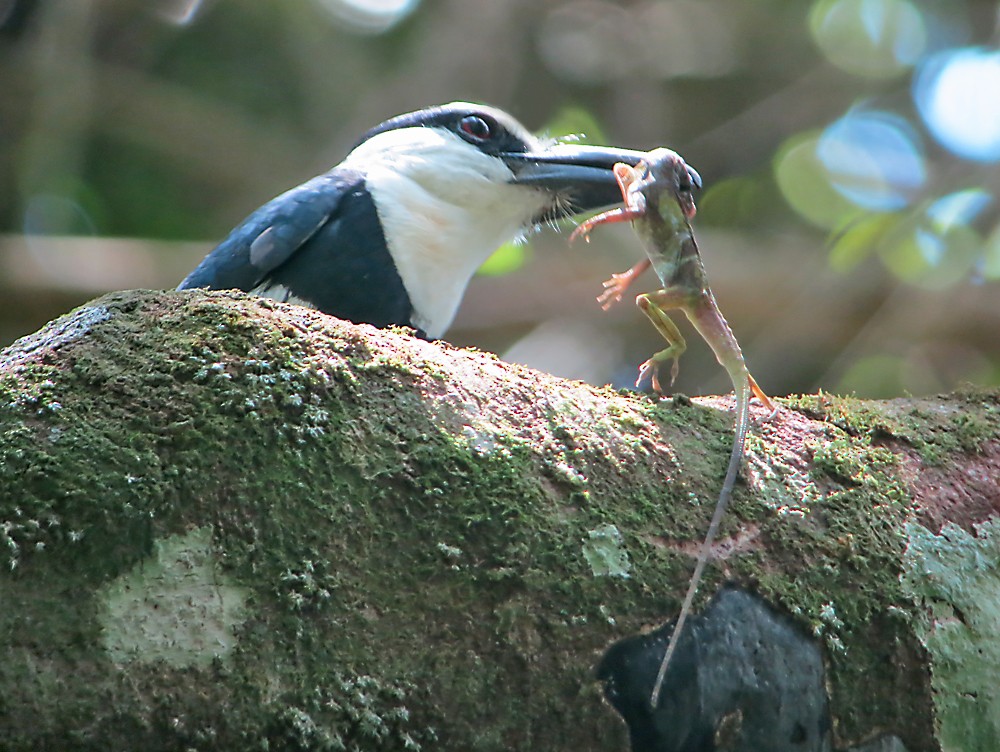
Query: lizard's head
[{"x": 664, "y": 170}]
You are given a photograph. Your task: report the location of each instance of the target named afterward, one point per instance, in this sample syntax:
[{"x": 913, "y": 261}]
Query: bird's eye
[{"x": 475, "y": 128}]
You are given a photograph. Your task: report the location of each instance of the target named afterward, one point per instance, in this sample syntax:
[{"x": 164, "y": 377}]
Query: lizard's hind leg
[{"x": 655, "y": 305}]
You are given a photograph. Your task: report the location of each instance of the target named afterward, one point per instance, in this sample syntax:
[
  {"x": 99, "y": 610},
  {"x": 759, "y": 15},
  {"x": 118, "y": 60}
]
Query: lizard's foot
[
  {"x": 614, "y": 288},
  {"x": 621, "y": 214},
  {"x": 582, "y": 231},
  {"x": 651, "y": 369}
]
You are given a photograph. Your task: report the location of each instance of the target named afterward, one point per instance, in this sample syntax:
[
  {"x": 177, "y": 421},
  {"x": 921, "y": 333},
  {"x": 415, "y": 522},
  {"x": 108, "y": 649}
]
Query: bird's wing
[{"x": 271, "y": 235}]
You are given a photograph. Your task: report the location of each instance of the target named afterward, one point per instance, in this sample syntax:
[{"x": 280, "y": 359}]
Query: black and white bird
[{"x": 394, "y": 233}]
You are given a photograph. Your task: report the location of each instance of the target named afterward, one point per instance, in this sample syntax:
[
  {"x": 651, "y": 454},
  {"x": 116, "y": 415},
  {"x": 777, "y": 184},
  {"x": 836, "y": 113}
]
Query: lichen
[
  {"x": 176, "y": 607},
  {"x": 953, "y": 576},
  {"x": 605, "y": 552}
]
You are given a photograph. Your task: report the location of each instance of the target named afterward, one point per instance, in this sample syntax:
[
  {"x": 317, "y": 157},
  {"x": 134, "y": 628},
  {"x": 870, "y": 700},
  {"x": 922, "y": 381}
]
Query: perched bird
[{"x": 394, "y": 233}]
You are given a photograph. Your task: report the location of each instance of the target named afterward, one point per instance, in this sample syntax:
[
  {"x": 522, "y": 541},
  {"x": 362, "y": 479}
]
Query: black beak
[{"x": 580, "y": 174}]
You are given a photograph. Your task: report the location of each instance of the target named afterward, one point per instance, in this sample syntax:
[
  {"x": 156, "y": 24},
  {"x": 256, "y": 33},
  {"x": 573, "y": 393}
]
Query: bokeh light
[
  {"x": 872, "y": 159},
  {"x": 180, "y": 12},
  {"x": 53, "y": 214},
  {"x": 958, "y": 95},
  {"x": 957, "y": 209},
  {"x": 933, "y": 249},
  {"x": 989, "y": 265},
  {"x": 805, "y": 184},
  {"x": 869, "y": 38},
  {"x": 369, "y": 16},
  {"x": 862, "y": 161},
  {"x": 506, "y": 259}
]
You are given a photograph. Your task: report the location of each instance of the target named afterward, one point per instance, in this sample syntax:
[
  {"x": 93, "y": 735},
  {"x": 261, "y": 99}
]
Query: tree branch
[{"x": 226, "y": 523}]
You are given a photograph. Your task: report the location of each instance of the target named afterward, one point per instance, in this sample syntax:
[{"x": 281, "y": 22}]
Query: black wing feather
[{"x": 323, "y": 243}]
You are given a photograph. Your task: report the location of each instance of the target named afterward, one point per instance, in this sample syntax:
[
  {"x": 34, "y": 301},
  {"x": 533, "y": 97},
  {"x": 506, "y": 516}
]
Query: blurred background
[{"x": 850, "y": 149}]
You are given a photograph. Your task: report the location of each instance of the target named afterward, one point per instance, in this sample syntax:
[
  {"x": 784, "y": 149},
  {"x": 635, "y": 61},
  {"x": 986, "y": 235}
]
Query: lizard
[{"x": 658, "y": 200}]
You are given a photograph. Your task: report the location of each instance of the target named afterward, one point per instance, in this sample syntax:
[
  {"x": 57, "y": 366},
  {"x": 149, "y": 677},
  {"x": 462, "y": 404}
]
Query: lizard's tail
[{"x": 740, "y": 435}]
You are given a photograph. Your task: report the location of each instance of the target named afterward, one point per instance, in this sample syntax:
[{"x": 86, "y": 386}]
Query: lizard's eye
[{"x": 475, "y": 129}]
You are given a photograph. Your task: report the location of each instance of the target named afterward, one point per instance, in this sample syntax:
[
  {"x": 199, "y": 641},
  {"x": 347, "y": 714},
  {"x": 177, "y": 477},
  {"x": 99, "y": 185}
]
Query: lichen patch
[
  {"x": 177, "y": 607},
  {"x": 605, "y": 552},
  {"x": 953, "y": 576}
]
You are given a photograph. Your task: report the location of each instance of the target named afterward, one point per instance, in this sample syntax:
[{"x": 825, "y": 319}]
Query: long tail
[{"x": 739, "y": 439}]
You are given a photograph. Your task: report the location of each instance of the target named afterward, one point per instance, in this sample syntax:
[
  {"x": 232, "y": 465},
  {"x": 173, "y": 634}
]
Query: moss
[
  {"x": 833, "y": 557},
  {"x": 349, "y": 715},
  {"x": 272, "y": 432},
  {"x": 856, "y": 537},
  {"x": 959, "y": 422}
]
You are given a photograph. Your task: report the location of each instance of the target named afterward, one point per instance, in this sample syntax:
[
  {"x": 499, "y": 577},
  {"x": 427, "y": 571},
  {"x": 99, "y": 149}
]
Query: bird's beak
[{"x": 582, "y": 174}]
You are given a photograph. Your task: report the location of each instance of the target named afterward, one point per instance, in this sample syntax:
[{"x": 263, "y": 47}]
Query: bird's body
[{"x": 394, "y": 233}]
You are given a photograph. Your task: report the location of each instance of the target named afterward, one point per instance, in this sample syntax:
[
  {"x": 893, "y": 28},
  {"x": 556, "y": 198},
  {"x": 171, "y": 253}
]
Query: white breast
[{"x": 445, "y": 206}]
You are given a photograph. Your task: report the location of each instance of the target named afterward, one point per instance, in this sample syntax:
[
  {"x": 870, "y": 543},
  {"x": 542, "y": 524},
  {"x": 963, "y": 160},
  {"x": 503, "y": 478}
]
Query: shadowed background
[{"x": 849, "y": 150}]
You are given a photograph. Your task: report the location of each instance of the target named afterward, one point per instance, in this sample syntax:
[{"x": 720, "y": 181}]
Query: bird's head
[
  {"x": 452, "y": 183},
  {"x": 459, "y": 145}
]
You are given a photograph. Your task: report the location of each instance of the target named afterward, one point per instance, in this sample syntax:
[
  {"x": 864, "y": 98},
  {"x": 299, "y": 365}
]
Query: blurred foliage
[
  {"x": 869, "y": 129},
  {"x": 507, "y": 258}
]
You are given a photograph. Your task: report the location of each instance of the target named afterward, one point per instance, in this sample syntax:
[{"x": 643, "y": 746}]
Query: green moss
[
  {"x": 350, "y": 714},
  {"x": 833, "y": 558},
  {"x": 859, "y": 548},
  {"x": 273, "y": 432},
  {"x": 959, "y": 422}
]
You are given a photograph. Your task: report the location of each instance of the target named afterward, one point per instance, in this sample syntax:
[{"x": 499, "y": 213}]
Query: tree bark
[{"x": 231, "y": 524}]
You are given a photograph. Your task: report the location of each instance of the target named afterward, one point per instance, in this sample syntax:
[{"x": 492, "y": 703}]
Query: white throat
[{"x": 444, "y": 206}]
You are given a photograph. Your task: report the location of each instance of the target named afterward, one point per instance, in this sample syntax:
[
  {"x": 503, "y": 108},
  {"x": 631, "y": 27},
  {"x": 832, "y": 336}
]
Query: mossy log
[{"x": 231, "y": 524}]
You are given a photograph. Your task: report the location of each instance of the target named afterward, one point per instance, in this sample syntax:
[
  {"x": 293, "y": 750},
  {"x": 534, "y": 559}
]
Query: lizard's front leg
[
  {"x": 635, "y": 203},
  {"x": 615, "y": 287},
  {"x": 655, "y": 305},
  {"x": 610, "y": 217}
]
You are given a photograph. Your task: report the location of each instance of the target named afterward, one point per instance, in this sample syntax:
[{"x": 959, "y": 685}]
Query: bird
[{"x": 393, "y": 234}]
